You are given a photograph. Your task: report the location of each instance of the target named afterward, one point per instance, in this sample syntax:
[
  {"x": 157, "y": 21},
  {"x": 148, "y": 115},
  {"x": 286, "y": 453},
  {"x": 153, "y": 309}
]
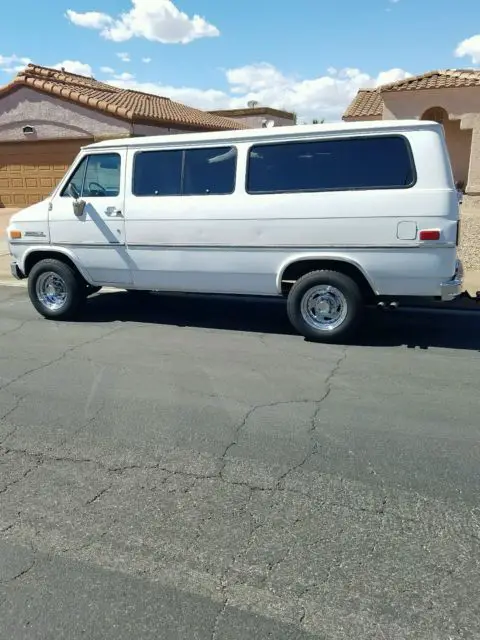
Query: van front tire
[
  {"x": 325, "y": 306},
  {"x": 56, "y": 290}
]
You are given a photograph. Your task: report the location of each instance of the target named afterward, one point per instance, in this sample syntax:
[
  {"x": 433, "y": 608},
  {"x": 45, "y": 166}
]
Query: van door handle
[{"x": 113, "y": 211}]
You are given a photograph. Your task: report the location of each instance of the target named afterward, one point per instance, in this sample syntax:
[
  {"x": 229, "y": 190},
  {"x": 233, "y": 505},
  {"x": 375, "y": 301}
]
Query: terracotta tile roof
[
  {"x": 367, "y": 102},
  {"x": 440, "y": 79},
  {"x": 126, "y": 104}
]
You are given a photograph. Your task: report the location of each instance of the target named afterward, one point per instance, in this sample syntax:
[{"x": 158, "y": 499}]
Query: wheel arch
[
  {"x": 297, "y": 266},
  {"x": 36, "y": 254}
]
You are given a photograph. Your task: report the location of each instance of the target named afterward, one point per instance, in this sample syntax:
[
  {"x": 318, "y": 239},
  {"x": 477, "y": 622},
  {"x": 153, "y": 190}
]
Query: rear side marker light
[
  {"x": 429, "y": 234},
  {"x": 15, "y": 235}
]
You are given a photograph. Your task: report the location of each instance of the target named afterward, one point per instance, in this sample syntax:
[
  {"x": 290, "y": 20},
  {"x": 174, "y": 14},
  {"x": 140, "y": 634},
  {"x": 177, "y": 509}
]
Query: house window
[
  {"x": 207, "y": 171},
  {"x": 382, "y": 162}
]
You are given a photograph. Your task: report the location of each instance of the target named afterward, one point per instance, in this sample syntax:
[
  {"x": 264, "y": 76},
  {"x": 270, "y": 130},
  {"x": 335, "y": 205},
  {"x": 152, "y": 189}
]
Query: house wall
[
  {"x": 255, "y": 122},
  {"x": 413, "y": 104},
  {"x": 473, "y": 186},
  {"x": 462, "y": 130},
  {"x": 459, "y": 143},
  {"x": 148, "y": 130},
  {"x": 53, "y": 118}
]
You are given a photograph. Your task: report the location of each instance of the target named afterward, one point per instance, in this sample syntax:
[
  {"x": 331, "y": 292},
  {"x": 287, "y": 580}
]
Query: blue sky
[{"x": 310, "y": 56}]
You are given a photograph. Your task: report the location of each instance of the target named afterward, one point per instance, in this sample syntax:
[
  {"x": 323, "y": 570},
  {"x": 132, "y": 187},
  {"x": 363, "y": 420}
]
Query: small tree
[{"x": 316, "y": 121}]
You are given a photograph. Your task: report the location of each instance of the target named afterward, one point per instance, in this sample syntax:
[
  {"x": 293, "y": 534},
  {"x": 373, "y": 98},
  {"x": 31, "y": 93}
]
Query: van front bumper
[
  {"x": 15, "y": 271},
  {"x": 452, "y": 288}
]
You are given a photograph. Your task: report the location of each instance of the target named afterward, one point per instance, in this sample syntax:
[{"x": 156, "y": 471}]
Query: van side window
[
  {"x": 76, "y": 179},
  {"x": 97, "y": 176},
  {"x": 380, "y": 162},
  {"x": 157, "y": 173},
  {"x": 208, "y": 171}
]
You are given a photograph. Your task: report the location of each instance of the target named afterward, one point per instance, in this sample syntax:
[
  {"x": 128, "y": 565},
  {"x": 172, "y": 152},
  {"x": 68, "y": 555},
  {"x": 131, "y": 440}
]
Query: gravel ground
[{"x": 470, "y": 239}]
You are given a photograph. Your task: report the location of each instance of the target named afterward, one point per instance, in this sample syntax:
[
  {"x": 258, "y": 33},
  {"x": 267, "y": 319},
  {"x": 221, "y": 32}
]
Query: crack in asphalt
[
  {"x": 9, "y": 435},
  {"x": 219, "y": 616},
  {"x": 223, "y": 583},
  {"x": 18, "y": 480},
  {"x": 13, "y": 409},
  {"x": 15, "y": 329},
  {"x": 25, "y": 571},
  {"x": 98, "y": 495},
  {"x": 313, "y": 426},
  {"x": 317, "y": 402},
  {"x": 41, "y": 458},
  {"x": 90, "y": 543},
  {"x": 58, "y": 359}
]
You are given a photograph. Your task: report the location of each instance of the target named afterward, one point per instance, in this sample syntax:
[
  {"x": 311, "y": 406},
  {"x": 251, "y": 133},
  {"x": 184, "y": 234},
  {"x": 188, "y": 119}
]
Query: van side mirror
[{"x": 78, "y": 205}]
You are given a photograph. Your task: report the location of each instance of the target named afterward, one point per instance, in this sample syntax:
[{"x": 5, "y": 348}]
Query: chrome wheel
[
  {"x": 324, "y": 307},
  {"x": 51, "y": 290}
]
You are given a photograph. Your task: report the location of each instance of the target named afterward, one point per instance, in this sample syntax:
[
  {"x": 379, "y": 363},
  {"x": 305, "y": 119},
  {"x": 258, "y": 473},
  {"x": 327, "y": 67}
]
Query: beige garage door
[{"x": 29, "y": 171}]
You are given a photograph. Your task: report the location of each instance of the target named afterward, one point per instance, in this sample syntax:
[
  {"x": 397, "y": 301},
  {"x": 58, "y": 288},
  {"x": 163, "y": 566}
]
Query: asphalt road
[{"x": 181, "y": 468}]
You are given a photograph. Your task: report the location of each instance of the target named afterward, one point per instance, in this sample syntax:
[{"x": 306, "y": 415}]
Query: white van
[{"x": 331, "y": 217}]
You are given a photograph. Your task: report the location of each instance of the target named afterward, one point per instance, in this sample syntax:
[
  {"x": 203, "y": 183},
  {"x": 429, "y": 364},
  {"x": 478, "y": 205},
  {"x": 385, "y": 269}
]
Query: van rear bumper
[{"x": 452, "y": 288}]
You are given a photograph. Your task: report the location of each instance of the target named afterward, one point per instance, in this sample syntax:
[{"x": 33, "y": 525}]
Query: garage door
[{"x": 29, "y": 171}]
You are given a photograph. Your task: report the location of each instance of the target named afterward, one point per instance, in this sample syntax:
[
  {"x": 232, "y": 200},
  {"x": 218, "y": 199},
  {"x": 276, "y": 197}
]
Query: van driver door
[{"x": 87, "y": 217}]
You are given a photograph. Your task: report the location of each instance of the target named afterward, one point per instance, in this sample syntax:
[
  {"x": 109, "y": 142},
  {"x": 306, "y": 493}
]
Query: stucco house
[
  {"x": 450, "y": 97},
  {"x": 257, "y": 117},
  {"x": 46, "y": 115}
]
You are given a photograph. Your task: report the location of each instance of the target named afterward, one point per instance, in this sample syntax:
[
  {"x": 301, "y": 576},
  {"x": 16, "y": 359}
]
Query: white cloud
[
  {"x": 146, "y": 60},
  {"x": 393, "y": 75},
  {"x": 124, "y": 57},
  {"x": 469, "y": 47},
  {"x": 325, "y": 96},
  {"x": 74, "y": 66},
  {"x": 90, "y": 19},
  {"x": 254, "y": 77},
  {"x": 208, "y": 99},
  {"x": 13, "y": 63},
  {"x": 124, "y": 77},
  {"x": 108, "y": 70},
  {"x": 156, "y": 20}
]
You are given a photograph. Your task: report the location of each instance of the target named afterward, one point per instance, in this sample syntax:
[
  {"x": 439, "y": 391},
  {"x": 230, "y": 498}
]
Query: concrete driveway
[{"x": 182, "y": 468}]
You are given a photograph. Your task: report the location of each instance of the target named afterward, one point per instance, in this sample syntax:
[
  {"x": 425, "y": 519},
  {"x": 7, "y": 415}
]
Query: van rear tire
[
  {"x": 325, "y": 306},
  {"x": 56, "y": 290}
]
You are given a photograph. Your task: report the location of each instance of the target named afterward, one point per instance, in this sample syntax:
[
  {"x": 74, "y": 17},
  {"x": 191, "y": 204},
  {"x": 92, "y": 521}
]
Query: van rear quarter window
[
  {"x": 189, "y": 172},
  {"x": 374, "y": 162}
]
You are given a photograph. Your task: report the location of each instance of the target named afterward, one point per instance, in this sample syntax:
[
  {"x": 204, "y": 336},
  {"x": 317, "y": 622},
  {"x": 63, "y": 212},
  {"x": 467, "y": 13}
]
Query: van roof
[{"x": 294, "y": 131}]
